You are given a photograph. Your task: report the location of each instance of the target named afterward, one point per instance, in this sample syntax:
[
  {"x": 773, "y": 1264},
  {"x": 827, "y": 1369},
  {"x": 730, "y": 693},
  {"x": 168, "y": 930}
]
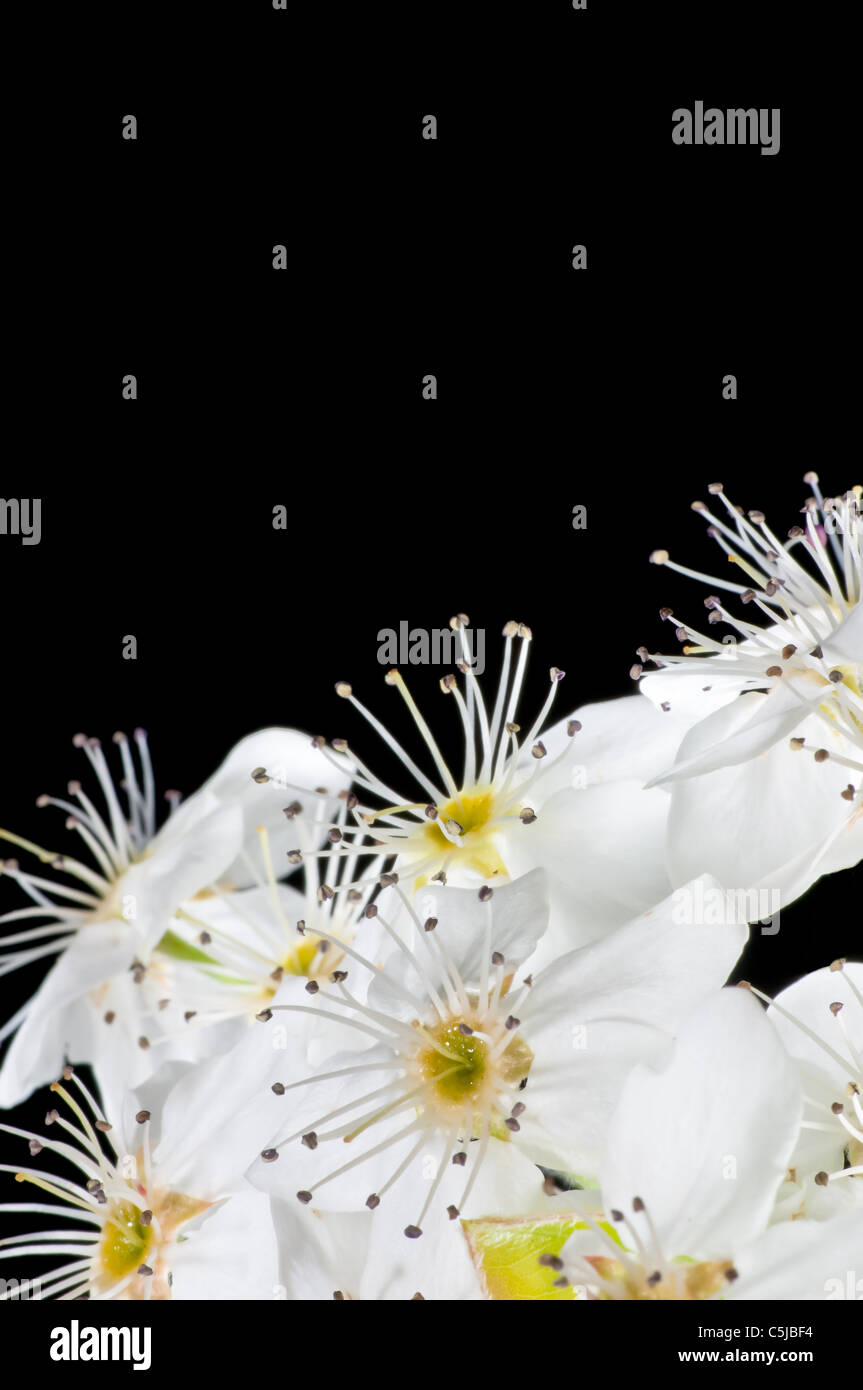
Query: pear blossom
[
  {"x": 767, "y": 784},
  {"x": 157, "y": 1206},
  {"x": 111, "y": 926},
  {"x": 696, "y": 1152},
  {"x": 820, "y": 1021},
  {"x": 564, "y": 797},
  {"x": 465, "y": 1061}
]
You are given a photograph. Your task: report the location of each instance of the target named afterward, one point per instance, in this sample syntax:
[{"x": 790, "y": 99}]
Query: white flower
[
  {"x": 748, "y": 805},
  {"x": 695, "y": 1155},
  {"x": 232, "y": 950},
  {"x": 472, "y": 1062},
  {"x": 820, "y": 1020},
  {"x": 160, "y": 1206},
  {"x": 112, "y": 930},
  {"x": 565, "y": 799}
]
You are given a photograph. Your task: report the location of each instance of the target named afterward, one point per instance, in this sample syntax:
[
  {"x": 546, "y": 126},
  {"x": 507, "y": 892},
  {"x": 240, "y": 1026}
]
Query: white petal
[
  {"x": 808, "y": 1260},
  {"x": 593, "y": 1014},
  {"x": 232, "y": 1256},
  {"x": 706, "y": 1141}
]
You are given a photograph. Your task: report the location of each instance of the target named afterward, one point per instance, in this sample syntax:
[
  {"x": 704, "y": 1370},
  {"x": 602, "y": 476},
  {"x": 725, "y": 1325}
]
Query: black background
[{"x": 303, "y": 387}]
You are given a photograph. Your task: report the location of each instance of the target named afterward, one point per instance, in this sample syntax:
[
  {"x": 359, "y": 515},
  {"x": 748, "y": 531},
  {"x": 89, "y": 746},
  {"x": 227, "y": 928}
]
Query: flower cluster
[{"x": 468, "y": 1036}]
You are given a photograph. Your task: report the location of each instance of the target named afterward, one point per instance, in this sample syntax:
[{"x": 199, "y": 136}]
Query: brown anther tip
[
  {"x": 144, "y": 1269},
  {"x": 371, "y": 910},
  {"x": 496, "y": 958},
  {"x": 817, "y": 652},
  {"x": 295, "y": 856},
  {"x": 205, "y": 938},
  {"x": 337, "y": 976},
  {"x": 388, "y": 880},
  {"x": 512, "y": 1022},
  {"x": 278, "y": 1088},
  {"x": 549, "y": 1261},
  {"x": 339, "y": 1296},
  {"x": 485, "y": 893},
  {"x": 615, "y": 1214},
  {"x": 264, "y": 1016},
  {"x": 527, "y": 816},
  {"x": 512, "y": 1124},
  {"x": 836, "y": 1008},
  {"x": 797, "y": 744},
  {"x": 555, "y": 674},
  {"x": 325, "y": 893},
  {"x": 528, "y": 980},
  {"x": 848, "y": 793},
  {"x": 773, "y": 671},
  {"x": 430, "y": 924},
  {"x": 465, "y": 1030},
  {"x": 270, "y": 1156},
  {"x": 518, "y": 1109},
  {"x": 460, "y": 1159},
  {"x": 310, "y": 1140},
  {"x": 788, "y": 652},
  {"x": 103, "y": 1126},
  {"x": 52, "y": 1115},
  {"x": 312, "y": 987},
  {"x": 334, "y": 836},
  {"x": 259, "y": 775},
  {"x": 68, "y": 1073},
  {"x": 821, "y": 755},
  {"x": 373, "y": 1201},
  {"x": 573, "y": 727},
  {"x": 413, "y": 1232},
  {"x": 143, "y": 1043},
  {"x": 637, "y": 1204},
  {"x": 743, "y": 984},
  {"x": 146, "y": 1218},
  {"x": 654, "y": 1278},
  {"x": 452, "y": 1212},
  {"x": 837, "y": 1107},
  {"x": 539, "y": 750},
  {"x": 838, "y": 964},
  {"x": 417, "y": 1298},
  {"x": 430, "y": 812},
  {"x": 439, "y": 877},
  {"x": 822, "y": 1179},
  {"x": 142, "y": 1117}
]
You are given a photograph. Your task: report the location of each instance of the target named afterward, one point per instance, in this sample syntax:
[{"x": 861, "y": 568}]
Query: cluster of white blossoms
[{"x": 467, "y": 1036}]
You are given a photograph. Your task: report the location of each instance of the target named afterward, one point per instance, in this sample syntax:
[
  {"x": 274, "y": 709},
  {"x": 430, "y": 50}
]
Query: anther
[
  {"x": 496, "y": 958},
  {"x": 344, "y": 690},
  {"x": 373, "y": 1201},
  {"x": 310, "y": 1140},
  {"x": 146, "y": 1218},
  {"x": 295, "y": 809},
  {"x": 270, "y": 1156},
  {"x": 452, "y": 1212},
  {"x": 312, "y": 987},
  {"x": 413, "y": 1232},
  {"x": 278, "y": 1088},
  {"x": 527, "y": 816},
  {"x": 512, "y": 1022},
  {"x": 485, "y": 893},
  {"x": 430, "y": 923},
  {"x": 460, "y": 1158},
  {"x": 549, "y": 1261},
  {"x": 259, "y": 775},
  {"x": 142, "y": 1117}
]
